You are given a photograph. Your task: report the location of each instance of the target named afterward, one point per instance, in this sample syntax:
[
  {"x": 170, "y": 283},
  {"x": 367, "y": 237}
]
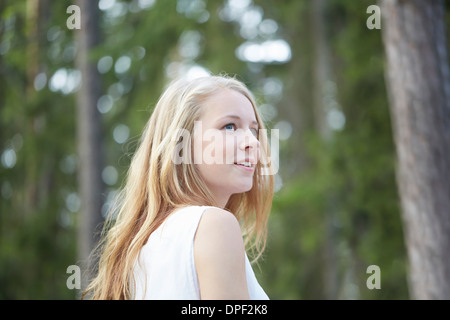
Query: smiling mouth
[{"x": 244, "y": 164}]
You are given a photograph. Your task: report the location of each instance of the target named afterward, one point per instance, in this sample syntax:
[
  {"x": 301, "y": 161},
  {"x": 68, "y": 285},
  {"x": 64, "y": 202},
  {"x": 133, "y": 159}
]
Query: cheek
[
  {"x": 197, "y": 151},
  {"x": 210, "y": 157},
  {"x": 214, "y": 175},
  {"x": 230, "y": 149},
  {"x": 217, "y": 150}
]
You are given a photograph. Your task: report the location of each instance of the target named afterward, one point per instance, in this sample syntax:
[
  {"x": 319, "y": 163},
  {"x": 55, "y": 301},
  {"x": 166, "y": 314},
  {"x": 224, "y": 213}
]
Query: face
[{"x": 226, "y": 148}]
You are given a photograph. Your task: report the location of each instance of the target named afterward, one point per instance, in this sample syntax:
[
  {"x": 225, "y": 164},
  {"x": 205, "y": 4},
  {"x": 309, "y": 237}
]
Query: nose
[{"x": 249, "y": 141}]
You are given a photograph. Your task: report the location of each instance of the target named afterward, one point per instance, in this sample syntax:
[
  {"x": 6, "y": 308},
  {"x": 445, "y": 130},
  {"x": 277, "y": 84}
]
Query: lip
[
  {"x": 251, "y": 160},
  {"x": 247, "y": 169}
]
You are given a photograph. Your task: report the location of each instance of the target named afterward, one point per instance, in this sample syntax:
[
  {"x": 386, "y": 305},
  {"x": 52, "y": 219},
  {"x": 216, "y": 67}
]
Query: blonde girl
[{"x": 181, "y": 227}]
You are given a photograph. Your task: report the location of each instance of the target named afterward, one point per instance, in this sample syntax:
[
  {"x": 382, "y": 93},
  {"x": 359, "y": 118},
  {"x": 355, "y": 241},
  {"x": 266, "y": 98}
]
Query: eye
[
  {"x": 255, "y": 131},
  {"x": 230, "y": 126}
]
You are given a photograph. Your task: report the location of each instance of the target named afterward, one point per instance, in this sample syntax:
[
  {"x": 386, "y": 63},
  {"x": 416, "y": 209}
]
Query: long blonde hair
[{"x": 155, "y": 186}]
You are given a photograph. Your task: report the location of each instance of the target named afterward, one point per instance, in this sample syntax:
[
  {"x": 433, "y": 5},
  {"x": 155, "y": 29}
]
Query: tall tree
[
  {"x": 322, "y": 81},
  {"x": 418, "y": 82},
  {"x": 89, "y": 132}
]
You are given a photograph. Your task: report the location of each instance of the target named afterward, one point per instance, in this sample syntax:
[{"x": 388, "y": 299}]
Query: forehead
[{"x": 227, "y": 101}]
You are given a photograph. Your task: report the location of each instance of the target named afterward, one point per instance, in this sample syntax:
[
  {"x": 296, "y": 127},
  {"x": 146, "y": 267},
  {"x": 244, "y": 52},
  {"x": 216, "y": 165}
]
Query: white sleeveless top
[{"x": 166, "y": 268}]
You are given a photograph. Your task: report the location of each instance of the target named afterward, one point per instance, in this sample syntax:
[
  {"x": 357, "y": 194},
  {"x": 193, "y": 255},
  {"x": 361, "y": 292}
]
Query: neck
[{"x": 221, "y": 200}]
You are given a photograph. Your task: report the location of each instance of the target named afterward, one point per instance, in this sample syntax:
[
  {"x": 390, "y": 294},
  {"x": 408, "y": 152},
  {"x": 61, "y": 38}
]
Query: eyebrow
[{"x": 238, "y": 118}]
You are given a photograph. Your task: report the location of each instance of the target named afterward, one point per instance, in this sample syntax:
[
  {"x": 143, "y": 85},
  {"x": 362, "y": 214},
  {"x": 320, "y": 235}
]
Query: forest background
[{"x": 319, "y": 74}]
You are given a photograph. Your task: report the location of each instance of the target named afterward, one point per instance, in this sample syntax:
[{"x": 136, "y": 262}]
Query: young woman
[{"x": 198, "y": 177}]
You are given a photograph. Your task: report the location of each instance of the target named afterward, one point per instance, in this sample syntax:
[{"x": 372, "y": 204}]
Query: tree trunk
[
  {"x": 418, "y": 82},
  {"x": 89, "y": 134},
  {"x": 37, "y": 17},
  {"x": 296, "y": 100},
  {"x": 322, "y": 80},
  {"x": 33, "y": 7}
]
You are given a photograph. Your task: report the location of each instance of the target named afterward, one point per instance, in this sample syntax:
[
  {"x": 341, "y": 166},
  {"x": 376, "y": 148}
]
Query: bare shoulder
[
  {"x": 220, "y": 256},
  {"x": 219, "y": 220},
  {"x": 219, "y": 230}
]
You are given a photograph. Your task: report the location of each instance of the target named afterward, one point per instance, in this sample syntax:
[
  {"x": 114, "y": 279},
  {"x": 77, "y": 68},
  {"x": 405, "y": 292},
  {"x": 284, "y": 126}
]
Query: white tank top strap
[{"x": 165, "y": 268}]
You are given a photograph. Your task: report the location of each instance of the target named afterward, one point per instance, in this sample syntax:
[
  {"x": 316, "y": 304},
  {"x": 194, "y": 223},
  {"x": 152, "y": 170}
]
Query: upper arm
[{"x": 220, "y": 256}]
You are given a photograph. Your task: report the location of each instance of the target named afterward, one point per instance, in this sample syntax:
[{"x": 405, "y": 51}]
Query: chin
[{"x": 244, "y": 188}]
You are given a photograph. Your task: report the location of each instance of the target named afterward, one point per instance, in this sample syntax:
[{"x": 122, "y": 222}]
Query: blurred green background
[{"x": 318, "y": 74}]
